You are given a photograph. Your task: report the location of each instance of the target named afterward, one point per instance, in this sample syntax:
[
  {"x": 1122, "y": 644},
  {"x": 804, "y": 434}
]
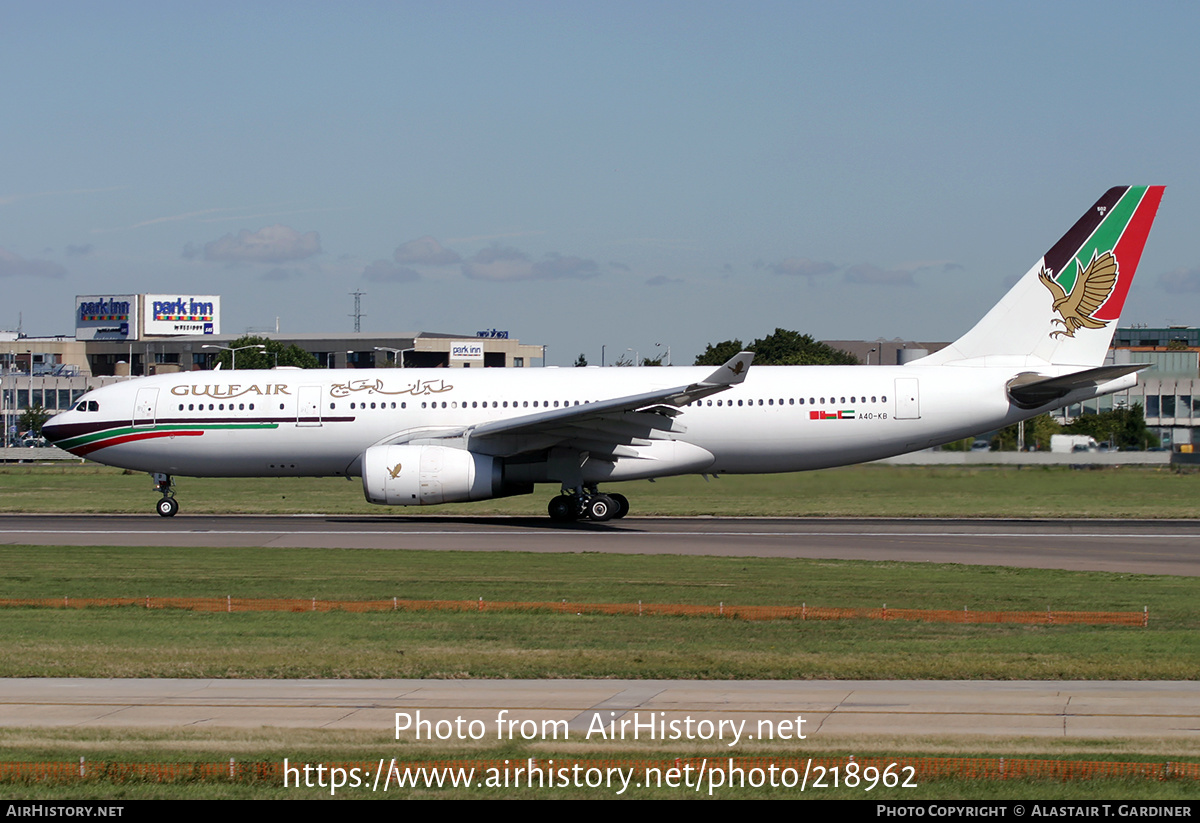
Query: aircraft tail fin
[{"x": 1064, "y": 310}]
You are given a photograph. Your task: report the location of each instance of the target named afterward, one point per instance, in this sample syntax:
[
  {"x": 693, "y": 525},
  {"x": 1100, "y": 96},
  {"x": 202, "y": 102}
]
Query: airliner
[{"x": 422, "y": 436}]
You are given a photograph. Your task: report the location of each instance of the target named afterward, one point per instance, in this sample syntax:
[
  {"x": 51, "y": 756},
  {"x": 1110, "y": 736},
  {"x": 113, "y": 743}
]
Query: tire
[
  {"x": 601, "y": 508},
  {"x": 622, "y": 505},
  {"x": 167, "y": 507},
  {"x": 561, "y": 509}
]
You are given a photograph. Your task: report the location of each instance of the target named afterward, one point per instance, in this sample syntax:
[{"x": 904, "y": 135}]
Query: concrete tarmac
[
  {"x": 829, "y": 709},
  {"x": 1126, "y": 546}
]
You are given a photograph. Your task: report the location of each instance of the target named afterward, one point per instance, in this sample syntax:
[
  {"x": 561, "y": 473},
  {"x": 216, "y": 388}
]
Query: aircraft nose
[{"x": 53, "y": 429}]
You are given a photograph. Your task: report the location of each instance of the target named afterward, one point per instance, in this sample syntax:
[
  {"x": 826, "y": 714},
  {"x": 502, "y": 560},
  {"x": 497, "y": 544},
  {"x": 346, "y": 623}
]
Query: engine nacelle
[{"x": 427, "y": 475}]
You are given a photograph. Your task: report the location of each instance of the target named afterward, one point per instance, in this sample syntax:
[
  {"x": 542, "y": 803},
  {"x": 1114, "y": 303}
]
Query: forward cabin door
[
  {"x": 308, "y": 408},
  {"x": 143, "y": 409}
]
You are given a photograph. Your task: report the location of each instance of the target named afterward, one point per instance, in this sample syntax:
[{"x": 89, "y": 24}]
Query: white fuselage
[{"x": 288, "y": 422}]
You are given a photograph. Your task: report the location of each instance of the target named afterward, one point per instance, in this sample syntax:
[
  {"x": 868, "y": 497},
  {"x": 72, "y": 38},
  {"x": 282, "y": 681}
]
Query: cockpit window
[{"x": 88, "y": 406}]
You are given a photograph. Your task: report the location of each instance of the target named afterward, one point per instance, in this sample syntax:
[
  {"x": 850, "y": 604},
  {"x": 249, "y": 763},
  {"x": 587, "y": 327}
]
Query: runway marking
[{"x": 534, "y": 532}]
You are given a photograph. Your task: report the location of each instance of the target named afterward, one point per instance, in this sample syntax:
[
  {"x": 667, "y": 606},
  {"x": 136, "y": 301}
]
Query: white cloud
[
  {"x": 12, "y": 265},
  {"x": 384, "y": 271},
  {"x": 802, "y": 267},
  {"x": 868, "y": 275},
  {"x": 425, "y": 251},
  {"x": 502, "y": 264},
  {"x": 663, "y": 280},
  {"x": 272, "y": 244}
]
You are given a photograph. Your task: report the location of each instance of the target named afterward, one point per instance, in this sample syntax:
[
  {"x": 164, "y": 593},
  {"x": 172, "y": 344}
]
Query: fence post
[{"x": 228, "y": 604}]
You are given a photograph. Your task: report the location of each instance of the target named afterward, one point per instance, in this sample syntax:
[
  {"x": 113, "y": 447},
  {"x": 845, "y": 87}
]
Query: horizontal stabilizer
[{"x": 1030, "y": 390}]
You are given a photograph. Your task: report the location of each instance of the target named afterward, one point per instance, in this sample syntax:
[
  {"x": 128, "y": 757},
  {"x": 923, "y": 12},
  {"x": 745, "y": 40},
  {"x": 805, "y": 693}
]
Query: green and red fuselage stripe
[{"x": 94, "y": 441}]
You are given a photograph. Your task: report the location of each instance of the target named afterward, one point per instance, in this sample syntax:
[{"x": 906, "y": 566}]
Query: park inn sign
[{"x": 128, "y": 317}]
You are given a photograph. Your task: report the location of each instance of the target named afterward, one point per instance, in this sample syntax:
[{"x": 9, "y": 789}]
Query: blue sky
[{"x": 585, "y": 173}]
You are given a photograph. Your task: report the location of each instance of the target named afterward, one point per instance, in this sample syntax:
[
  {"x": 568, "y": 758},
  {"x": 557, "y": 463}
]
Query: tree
[
  {"x": 1125, "y": 427},
  {"x": 780, "y": 348},
  {"x": 1038, "y": 431},
  {"x": 718, "y": 354},
  {"x": 275, "y": 354},
  {"x": 32, "y": 420},
  {"x": 580, "y": 361},
  {"x": 652, "y": 361}
]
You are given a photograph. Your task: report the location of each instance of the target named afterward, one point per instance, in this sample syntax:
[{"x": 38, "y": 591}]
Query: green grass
[
  {"x": 858, "y": 491},
  {"x": 344, "y": 747},
  {"x": 134, "y": 642}
]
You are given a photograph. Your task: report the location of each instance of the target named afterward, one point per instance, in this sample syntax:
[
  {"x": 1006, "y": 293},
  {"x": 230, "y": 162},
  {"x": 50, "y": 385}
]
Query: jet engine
[{"x": 428, "y": 475}]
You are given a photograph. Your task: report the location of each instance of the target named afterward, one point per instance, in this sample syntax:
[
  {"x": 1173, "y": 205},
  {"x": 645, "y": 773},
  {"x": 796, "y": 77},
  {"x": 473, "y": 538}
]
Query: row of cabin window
[
  {"x": 793, "y": 401},
  {"x": 474, "y": 404}
]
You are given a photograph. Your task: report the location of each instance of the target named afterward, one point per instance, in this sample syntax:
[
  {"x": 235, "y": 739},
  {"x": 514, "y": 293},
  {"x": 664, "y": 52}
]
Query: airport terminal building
[{"x": 119, "y": 336}]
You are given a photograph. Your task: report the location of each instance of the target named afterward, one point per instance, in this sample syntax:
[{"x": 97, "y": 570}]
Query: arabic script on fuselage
[{"x": 418, "y": 388}]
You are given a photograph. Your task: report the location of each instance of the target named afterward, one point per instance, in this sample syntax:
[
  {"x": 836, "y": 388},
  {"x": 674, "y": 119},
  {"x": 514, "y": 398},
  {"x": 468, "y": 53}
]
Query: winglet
[{"x": 734, "y": 371}]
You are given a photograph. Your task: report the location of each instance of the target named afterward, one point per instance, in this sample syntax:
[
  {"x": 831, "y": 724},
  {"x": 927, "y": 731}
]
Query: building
[{"x": 119, "y": 336}]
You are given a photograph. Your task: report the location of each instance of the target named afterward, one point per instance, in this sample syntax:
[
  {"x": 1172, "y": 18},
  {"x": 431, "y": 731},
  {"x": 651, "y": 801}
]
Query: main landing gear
[
  {"x": 587, "y": 504},
  {"x": 168, "y": 505}
]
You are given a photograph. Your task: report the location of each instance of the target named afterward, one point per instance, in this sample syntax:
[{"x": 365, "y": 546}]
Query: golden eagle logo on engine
[
  {"x": 1092, "y": 287},
  {"x": 394, "y": 471}
]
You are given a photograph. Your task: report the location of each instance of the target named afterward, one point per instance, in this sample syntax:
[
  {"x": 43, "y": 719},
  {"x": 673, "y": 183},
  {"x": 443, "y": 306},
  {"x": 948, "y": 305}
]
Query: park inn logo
[
  {"x": 103, "y": 311},
  {"x": 195, "y": 311}
]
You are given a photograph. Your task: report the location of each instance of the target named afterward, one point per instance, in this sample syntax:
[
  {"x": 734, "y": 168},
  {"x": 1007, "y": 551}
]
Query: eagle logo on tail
[{"x": 1093, "y": 286}]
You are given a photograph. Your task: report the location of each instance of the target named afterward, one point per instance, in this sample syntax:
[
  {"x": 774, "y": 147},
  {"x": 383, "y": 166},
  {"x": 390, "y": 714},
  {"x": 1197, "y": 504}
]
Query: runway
[
  {"x": 1128, "y": 546},
  {"x": 828, "y": 709}
]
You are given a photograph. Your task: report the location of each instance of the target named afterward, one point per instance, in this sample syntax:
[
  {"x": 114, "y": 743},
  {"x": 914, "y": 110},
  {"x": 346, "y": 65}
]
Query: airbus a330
[{"x": 423, "y": 437}]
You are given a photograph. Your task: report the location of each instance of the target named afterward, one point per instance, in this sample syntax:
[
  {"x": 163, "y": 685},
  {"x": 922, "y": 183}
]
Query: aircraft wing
[{"x": 609, "y": 427}]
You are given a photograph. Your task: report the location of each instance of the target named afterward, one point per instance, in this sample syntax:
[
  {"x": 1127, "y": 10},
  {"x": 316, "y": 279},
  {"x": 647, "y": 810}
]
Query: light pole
[
  {"x": 659, "y": 345},
  {"x": 397, "y": 354},
  {"x": 233, "y": 352}
]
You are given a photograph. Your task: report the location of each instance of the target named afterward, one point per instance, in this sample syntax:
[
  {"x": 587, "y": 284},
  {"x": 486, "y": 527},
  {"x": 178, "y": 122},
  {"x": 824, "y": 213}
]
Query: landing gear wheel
[
  {"x": 167, "y": 507},
  {"x": 561, "y": 509},
  {"x": 601, "y": 508},
  {"x": 622, "y": 505}
]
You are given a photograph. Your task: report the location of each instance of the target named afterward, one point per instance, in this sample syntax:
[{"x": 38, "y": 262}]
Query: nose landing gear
[{"x": 168, "y": 505}]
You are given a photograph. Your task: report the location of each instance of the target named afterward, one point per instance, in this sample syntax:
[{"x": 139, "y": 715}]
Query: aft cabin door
[
  {"x": 308, "y": 410},
  {"x": 143, "y": 409},
  {"x": 908, "y": 399}
]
